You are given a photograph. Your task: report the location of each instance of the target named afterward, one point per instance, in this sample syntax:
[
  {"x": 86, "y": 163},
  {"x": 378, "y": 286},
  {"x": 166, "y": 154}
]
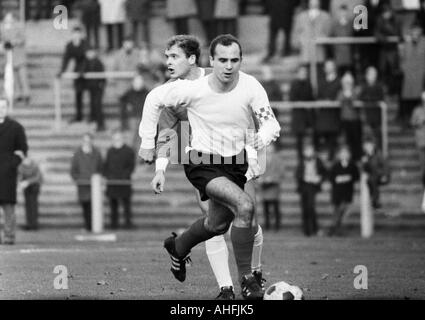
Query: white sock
[
  {"x": 256, "y": 250},
  {"x": 218, "y": 255}
]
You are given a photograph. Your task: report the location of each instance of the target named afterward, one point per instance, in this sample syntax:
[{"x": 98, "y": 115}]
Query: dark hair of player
[
  {"x": 188, "y": 43},
  {"x": 224, "y": 40}
]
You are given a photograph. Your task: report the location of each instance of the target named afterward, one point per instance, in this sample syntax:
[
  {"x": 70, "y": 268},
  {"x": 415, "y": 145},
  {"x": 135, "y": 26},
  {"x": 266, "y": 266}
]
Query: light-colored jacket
[
  {"x": 418, "y": 123},
  {"x": 112, "y": 11},
  {"x": 181, "y": 8},
  {"x": 226, "y": 9},
  {"x": 413, "y": 66},
  {"x": 16, "y": 36},
  {"x": 306, "y": 30}
]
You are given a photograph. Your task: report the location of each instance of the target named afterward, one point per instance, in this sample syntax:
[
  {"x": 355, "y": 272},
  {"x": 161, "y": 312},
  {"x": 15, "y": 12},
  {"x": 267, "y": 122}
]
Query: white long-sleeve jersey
[{"x": 220, "y": 122}]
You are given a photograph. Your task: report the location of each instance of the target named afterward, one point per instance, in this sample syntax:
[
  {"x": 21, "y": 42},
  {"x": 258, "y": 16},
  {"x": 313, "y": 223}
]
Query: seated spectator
[
  {"x": 327, "y": 122},
  {"x": 30, "y": 180},
  {"x": 132, "y": 102},
  {"x": 85, "y": 162},
  {"x": 343, "y": 175},
  {"x": 350, "y": 117},
  {"x": 371, "y": 92},
  {"x": 374, "y": 165},
  {"x": 418, "y": 124},
  {"x": 95, "y": 87},
  {"x": 118, "y": 168},
  {"x": 413, "y": 67},
  {"x": 270, "y": 185},
  {"x": 342, "y": 26},
  {"x": 389, "y": 64},
  {"x": 310, "y": 174},
  {"x": 309, "y": 25},
  {"x": 301, "y": 119}
]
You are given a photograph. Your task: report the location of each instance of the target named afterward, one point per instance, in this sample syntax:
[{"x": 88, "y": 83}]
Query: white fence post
[
  {"x": 97, "y": 203},
  {"x": 58, "y": 107},
  {"x": 366, "y": 212}
]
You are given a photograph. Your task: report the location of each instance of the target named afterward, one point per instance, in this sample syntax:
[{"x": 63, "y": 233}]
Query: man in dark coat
[
  {"x": 118, "y": 167},
  {"x": 86, "y": 161},
  {"x": 281, "y": 14},
  {"x": 13, "y": 148},
  {"x": 95, "y": 87},
  {"x": 206, "y": 9},
  {"x": 301, "y": 119},
  {"x": 90, "y": 17},
  {"x": 327, "y": 121},
  {"x": 76, "y": 50},
  {"x": 138, "y": 12}
]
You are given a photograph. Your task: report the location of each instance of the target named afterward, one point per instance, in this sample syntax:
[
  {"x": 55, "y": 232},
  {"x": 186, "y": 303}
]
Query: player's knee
[{"x": 246, "y": 208}]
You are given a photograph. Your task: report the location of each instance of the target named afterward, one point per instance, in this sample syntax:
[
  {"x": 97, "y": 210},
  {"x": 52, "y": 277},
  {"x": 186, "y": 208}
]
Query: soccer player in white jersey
[{"x": 219, "y": 110}]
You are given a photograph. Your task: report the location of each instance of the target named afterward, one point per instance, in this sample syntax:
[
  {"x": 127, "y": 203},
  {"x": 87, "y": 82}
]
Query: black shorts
[{"x": 203, "y": 168}]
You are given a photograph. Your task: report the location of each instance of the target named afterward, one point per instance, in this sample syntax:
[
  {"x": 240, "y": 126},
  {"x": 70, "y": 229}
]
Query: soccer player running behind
[
  {"x": 219, "y": 111},
  {"x": 182, "y": 53}
]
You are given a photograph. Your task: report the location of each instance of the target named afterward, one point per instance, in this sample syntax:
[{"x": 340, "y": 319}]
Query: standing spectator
[
  {"x": 327, "y": 122},
  {"x": 420, "y": 18},
  {"x": 372, "y": 92},
  {"x": 418, "y": 123},
  {"x": 270, "y": 185},
  {"x": 281, "y": 13},
  {"x": 350, "y": 117},
  {"x": 375, "y": 167},
  {"x": 310, "y": 174},
  {"x": 30, "y": 180},
  {"x": 127, "y": 59},
  {"x": 309, "y": 25},
  {"x": 343, "y": 175},
  {"x": 132, "y": 102},
  {"x": 389, "y": 64},
  {"x": 301, "y": 119},
  {"x": 95, "y": 87},
  {"x": 119, "y": 165},
  {"x": 179, "y": 11},
  {"x": 335, "y": 6},
  {"x": 206, "y": 10},
  {"x": 76, "y": 50},
  {"x": 86, "y": 162},
  {"x": 342, "y": 26},
  {"x": 13, "y": 32},
  {"x": 413, "y": 67},
  {"x": 90, "y": 18},
  {"x": 138, "y": 12},
  {"x": 112, "y": 15},
  {"x": 13, "y": 148},
  {"x": 226, "y": 14}
]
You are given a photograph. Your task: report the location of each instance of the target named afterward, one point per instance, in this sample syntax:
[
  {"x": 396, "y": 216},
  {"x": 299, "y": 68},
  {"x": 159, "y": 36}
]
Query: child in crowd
[
  {"x": 270, "y": 185},
  {"x": 343, "y": 175}
]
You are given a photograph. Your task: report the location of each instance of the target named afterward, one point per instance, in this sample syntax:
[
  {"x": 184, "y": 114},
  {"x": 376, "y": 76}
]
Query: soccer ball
[{"x": 283, "y": 291}]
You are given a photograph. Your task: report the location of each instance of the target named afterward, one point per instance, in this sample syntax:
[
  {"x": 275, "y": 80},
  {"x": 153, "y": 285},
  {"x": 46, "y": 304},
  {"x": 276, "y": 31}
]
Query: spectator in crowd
[
  {"x": 30, "y": 180},
  {"x": 301, "y": 119},
  {"x": 374, "y": 165},
  {"x": 420, "y": 16},
  {"x": 138, "y": 12},
  {"x": 335, "y": 6},
  {"x": 95, "y": 87},
  {"x": 226, "y": 14},
  {"x": 309, "y": 25},
  {"x": 310, "y": 174},
  {"x": 85, "y": 162},
  {"x": 371, "y": 92},
  {"x": 127, "y": 59},
  {"x": 327, "y": 122},
  {"x": 12, "y": 32},
  {"x": 413, "y": 67},
  {"x": 389, "y": 64},
  {"x": 90, "y": 18},
  {"x": 270, "y": 84},
  {"x": 132, "y": 102},
  {"x": 342, "y": 26},
  {"x": 118, "y": 168},
  {"x": 179, "y": 12},
  {"x": 75, "y": 50},
  {"x": 206, "y": 11},
  {"x": 350, "y": 117},
  {"x": 13, "y": 148},
  {"x": 112, "y": 15},
  {"x": 343, "y": 175},
  {"x": 281, "y": 13},
  {"x": 418, "y": 123},
  {"x": 270, "y": 186}
]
